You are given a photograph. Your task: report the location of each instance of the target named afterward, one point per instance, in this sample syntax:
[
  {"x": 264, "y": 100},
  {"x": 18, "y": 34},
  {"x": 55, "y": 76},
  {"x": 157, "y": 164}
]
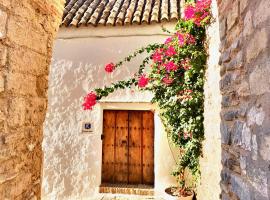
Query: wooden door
[{"x": 128, "y": 147}]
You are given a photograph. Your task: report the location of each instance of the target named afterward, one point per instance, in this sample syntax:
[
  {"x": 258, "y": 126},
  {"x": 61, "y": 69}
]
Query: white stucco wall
[
  {"x": 72, "y": 160},
  {"x": 209, "y": 188}
]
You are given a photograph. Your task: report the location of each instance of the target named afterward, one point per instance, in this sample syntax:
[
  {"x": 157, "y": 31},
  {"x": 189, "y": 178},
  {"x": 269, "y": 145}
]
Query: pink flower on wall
[
  {"x": 167, "y": 80},
  {"x": 170, "y": 51},
  {"x": 181, "y": 39},
  {"x": 189, "y": 12},
  {"x": 186, "y": 64},
  {"x": 157, "y": 56},
  {"x": 109, "y": 67},
  {"x": 89, "y": 101},
  {"x": 190, "y": 39},
  {"x": 168, "y": 40},
  {"x": 170, "y": 66},
  {"x": 202, "y": 5},
  {"x": 143, "y": 81}
]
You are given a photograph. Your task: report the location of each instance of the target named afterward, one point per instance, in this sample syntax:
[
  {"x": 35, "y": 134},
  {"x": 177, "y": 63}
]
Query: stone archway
[{"x": 27, "y": 30}]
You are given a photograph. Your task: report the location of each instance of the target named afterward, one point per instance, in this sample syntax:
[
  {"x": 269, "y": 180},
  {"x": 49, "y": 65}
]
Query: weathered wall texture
[
  {"x": 72, "y": 165},
  {"x": 27, "y": 29},
  {"x": 245, "y": 87},
  {"x": 209, "y": 188}
]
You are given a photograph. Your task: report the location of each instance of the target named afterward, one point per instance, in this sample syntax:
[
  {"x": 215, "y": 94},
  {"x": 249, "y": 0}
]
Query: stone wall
[
  {"x": 245, "y": 88},
  {"x": 27, "y": 29}
]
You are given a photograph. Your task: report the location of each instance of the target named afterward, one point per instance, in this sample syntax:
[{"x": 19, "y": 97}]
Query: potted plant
[{"x": 182, "y": 192}]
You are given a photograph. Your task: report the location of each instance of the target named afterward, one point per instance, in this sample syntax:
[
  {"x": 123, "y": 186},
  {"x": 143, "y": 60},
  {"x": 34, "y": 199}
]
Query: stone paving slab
[{"x": 125, "y": 197}]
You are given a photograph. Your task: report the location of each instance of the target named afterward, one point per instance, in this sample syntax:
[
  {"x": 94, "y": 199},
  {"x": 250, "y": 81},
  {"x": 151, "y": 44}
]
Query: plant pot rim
[{"x": 168, "y": 188}]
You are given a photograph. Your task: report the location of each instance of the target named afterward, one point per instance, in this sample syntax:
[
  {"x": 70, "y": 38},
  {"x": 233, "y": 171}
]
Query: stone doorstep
[{"x": 146, "y": 190}]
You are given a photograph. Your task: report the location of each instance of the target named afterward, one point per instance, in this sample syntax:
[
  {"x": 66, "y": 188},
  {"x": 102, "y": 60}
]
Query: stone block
[
  {"x": 243, "y": 5},
  {"x": 19, "y": 32},
  {"x": 232, "y": 15},
  {"x": 240, "y": 188},
  {"x": 243, "y": 164},
  {"x": 225, "y": 102},
  {"x": 237, "y": 132},
  {"x": 258, "y": 179},
  {"x": 236, "y": 62},
  {"x": 5, "y": 3},
  {"x": 27, "y": 62},
  {"x": 259, "y": 80},
  {"x": 261, "y": 13},
  {"x": 257, "y": 44},
  {"x": 246, "y": 138},
  {"x": 3, "y": 55},
  {"x": 230, "y": 115},
  {"x": 255, "y": 116},
  {"x": 248, "y": 24},
  {"x": 222, "y": 28},
  {"x": 21, "y": 84},
  {"x": 225, "y": 134},
  {"x": 3, "y": 22},
  {"x": 42, "y": 86},
  {"x": 265, "y": 147},
  {"x": 243, "y": 90},
  {"x": 35, "y": 113},
  {"x": 17, "y": 112},
  {"x": 226, "y": 81},
  {"x": 254, "y": 147},
  {"x": 2, "y": 82}
]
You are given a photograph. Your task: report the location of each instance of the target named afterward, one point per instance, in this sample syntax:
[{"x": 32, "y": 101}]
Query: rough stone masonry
[
  {"x": 27, "y": 30},
  {"x": 245, "y": 89}
]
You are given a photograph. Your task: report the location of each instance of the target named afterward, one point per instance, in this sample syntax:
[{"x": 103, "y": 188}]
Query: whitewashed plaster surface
[
  {"x": 72, "y": 160},
  {"x": 209, "y": 188}
]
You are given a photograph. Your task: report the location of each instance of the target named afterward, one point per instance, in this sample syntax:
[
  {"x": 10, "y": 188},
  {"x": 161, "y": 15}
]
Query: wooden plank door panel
[
  {"x": 148, "y": 147},
  {"x": 108, "y": 147},
  {"x": 128, "y": 147},
  {"x": 121, "y": 150},
  {"x": 135, "y": 157}
]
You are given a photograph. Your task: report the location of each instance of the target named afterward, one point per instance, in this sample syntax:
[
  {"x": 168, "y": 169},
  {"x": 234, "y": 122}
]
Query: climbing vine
[{"x": 174, "y": 73}]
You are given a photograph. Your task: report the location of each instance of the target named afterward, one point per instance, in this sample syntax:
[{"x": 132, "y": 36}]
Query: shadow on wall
[
  {"x": 67, "y": 152},
  {"x": 245, "y": 113}
]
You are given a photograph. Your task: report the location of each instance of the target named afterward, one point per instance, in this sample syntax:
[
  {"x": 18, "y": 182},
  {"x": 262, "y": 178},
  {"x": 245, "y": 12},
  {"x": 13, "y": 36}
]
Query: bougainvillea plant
[{"x": 176, "y": 78}]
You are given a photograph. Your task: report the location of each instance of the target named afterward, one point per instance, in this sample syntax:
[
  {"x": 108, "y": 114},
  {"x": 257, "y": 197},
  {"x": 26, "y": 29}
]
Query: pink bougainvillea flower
[
  {"x": 167, "y": 80},
  {"x": 89, "y": 101},
  {"x": 143, "y": 81},
  {"x": 186, "y": 64},
  {"x": 170, "y": 66},
  {"x": 189, "y": 12},
  {"x": 181, "y": 39},
  {"x": 109, "y": 67},
  {"x": 170, "y": 51},
  {"x": 157, "y": 56},
  {"x": 190, "y": 39},
  {"x": 187, "y": 135},
  {"x": 202, "y": 5},
  {"x": 168, "y": 40}
]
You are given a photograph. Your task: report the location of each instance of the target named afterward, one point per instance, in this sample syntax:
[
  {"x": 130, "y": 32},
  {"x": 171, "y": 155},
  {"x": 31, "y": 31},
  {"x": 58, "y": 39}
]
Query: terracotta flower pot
[{"x": 169, "y": 195}]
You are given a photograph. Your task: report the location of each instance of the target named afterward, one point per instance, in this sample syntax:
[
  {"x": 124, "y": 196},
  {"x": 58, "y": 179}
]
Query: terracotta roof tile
[{"x": 119, "y": 12}]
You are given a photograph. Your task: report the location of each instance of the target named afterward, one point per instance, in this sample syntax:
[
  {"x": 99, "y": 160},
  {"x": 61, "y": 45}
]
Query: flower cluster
[
  {"x": 109, "y": 67},
  {"x": 175, "y": 76},
  {"x": 198, "y": 12},
  {"x": 89, "y": 101}
]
